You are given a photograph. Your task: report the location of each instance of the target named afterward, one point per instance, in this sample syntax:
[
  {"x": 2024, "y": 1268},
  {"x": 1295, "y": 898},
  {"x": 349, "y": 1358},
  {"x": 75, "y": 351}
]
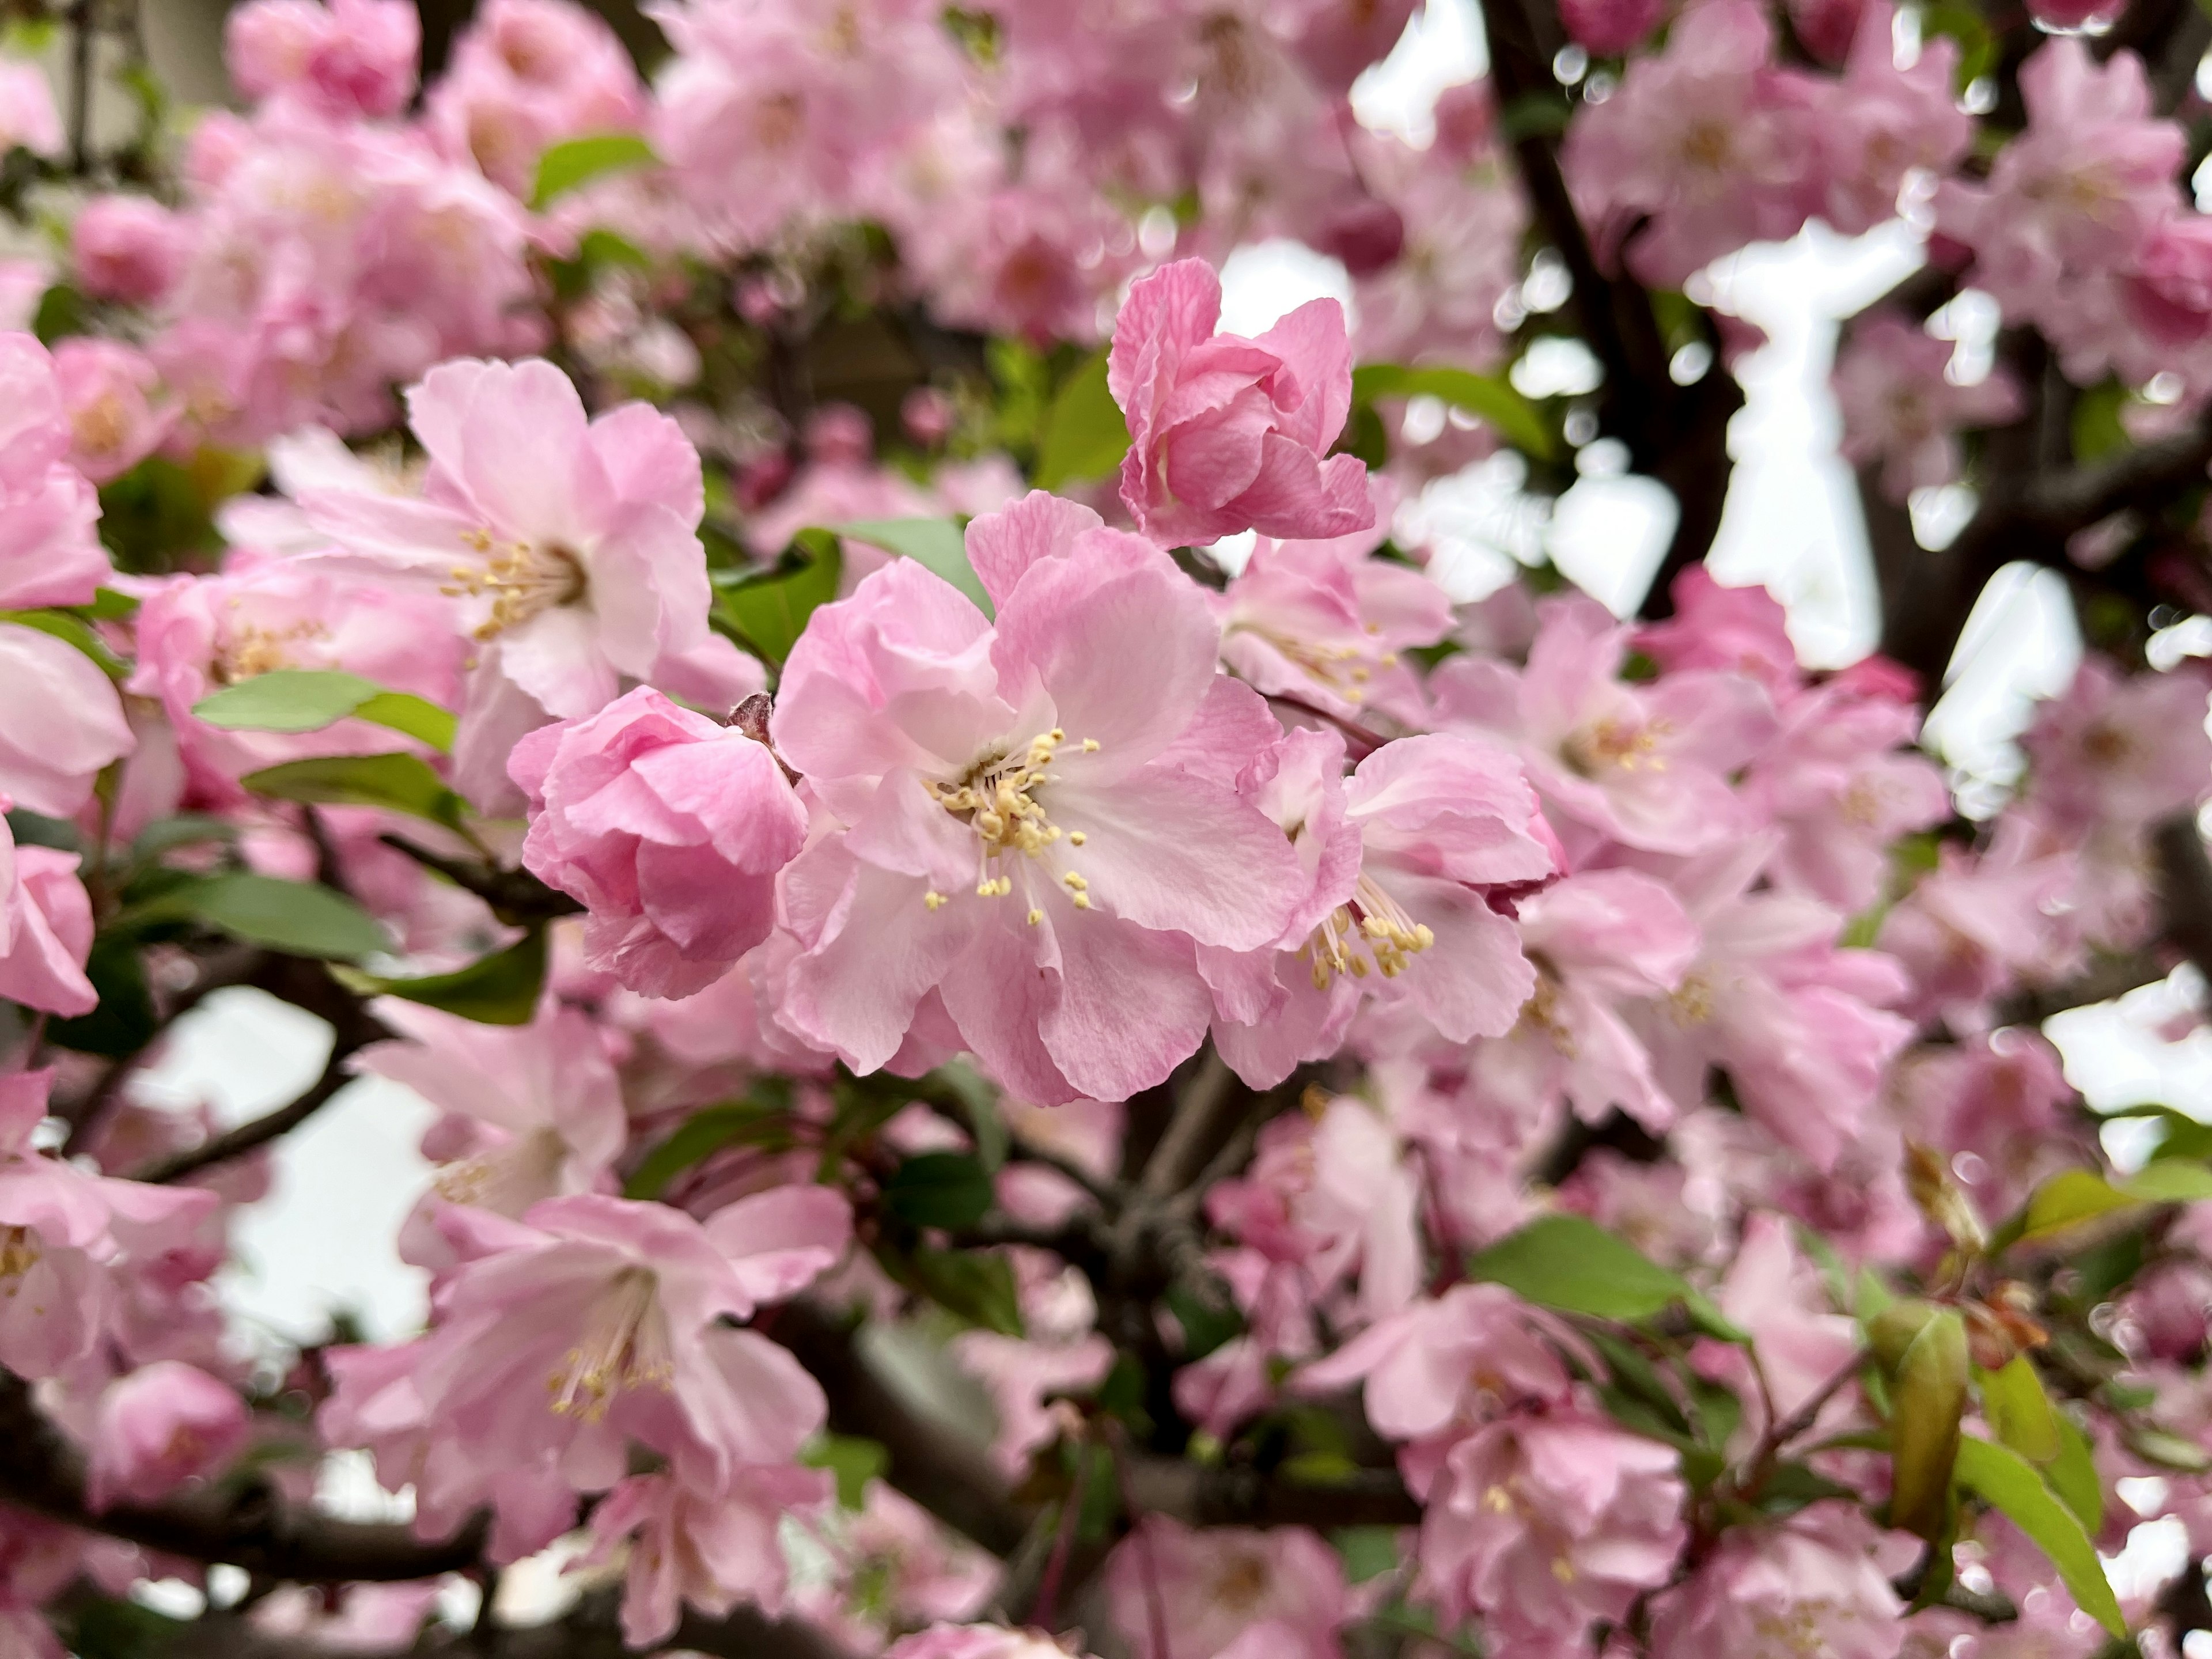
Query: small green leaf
[
  {"x": 286, "y": 700},
  {"x": 2067, "y": 1200},
  {"x": 1486, "y": 396},
  {"x": 939, "y": 1189},
  {"x": 1930, "y": 1397},
  {"x": 2167, "y": 1180},
  {"x": 295, "y": 917},
  {"x": 762, "y": 1116},
  {"x": 71, "y": 629},
  {"x": 2171, "y": 1451},
  {"x": 1368, "y": 1551},
  {"x": 854, "y": 1463},
  {"x": 976, "y": 1285},
  {"x": 412, "y": 716},
  {"x": 2020, "y": 1412},
  {"x": 937, "y": 544},
  {"x": 769, "y": 610},
  {"x": 124, "y": 1022},
  {"x": 2003, "y": 1479},
  {"x": 1085, "y": 436},
  {"x": 576, "y": 161},
  {"x": 398, "y": 783},
  {"x": 500, "y": 988},
  {"x": 1565, "y": 1262},
  {"x": 2073, "y": 1475},
  {"x": 1206, "y": 1323}
]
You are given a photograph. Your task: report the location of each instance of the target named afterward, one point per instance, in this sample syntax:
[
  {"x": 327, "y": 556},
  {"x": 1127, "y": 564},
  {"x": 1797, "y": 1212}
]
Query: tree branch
[
  {"x": 516, "y": 897},
  {"x": 253, "y": 1528},
  {"x": 2184, "y": 889}
]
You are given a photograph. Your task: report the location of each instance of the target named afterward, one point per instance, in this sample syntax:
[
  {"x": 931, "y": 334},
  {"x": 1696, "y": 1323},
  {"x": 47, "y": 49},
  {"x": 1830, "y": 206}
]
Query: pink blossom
[
  {"x": 1822, "y": 1575},
  {"x": 65, "y": 725},
  {"x": 45, "y": 927},
  {"x": 116, "y": 416},
  {"x": 162, "y": 1425},
  {"x": 1775, "y": 1294},
  {"x": 669, "y": 828},
  {"x": 2117, "y": 750},
  {"x": 1645, "y": 765},
  {"x": 1974, "y": 922},
  {"x": 2170, "y": 291},
  {"x": 1019, "y": 832},
  {"x": 706, "y": 1551},
  {"x": 1841, "y": 782},
  {"x": 49, "y": 554},
  {"x": 1543, "y": 1524},
  {"x": 524, "y": 75},
  {"x": 1405, "y": 855},
  {"x": 127, "y": 249},
  {"x": 574, "y": 540},
  {"x": 1227, "y": 434},
  {"x": 1604, "y": 939},
  {"x": 1797, "y": 1023},
  {"x": 1902, "y": 410},
  {"x": 61, "y": 1231},
  {"x": 1021, "y": 1377},
  {"x": 898, "y": 1567},
  {"x": 1879, "y": 123},
  {"x": 1611, "y": 28},
  {"x": 605, "y": 1312},
  {"x": 345, "y": 57},
  {"x": 1704, "y": 140},
  {"x": 1743, "y": 630},
  {"x": 531, "y": 1111},
  {"x": 975, "y": 1642},
  {"x": 1206, "y": 1588},
  {"x": 2072, "y": 206},
  {"x": 1456, "y": 1361},
  {"x": 28, "y": 119}
]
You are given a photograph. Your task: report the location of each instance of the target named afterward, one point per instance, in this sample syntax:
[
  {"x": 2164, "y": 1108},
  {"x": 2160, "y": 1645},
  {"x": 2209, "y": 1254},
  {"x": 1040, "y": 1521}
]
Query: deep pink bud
[
  {"x": 158, "y": 1427},
  {"x": 126, "y": 249},
  {"x": 1611, "y": 28}
]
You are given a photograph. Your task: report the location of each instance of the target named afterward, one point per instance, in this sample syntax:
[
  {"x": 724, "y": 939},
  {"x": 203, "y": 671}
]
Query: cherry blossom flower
[{"x": 163, "y": 1424}]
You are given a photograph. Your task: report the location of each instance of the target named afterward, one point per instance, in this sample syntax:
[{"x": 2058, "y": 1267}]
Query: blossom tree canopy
[{"x": 1051, "y": 1027}]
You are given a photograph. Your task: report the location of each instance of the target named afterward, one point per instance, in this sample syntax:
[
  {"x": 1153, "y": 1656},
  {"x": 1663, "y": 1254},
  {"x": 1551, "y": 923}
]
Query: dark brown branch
[
  {"x": 516, "y": 897},
  {"x": 253, "y": 1528},
  {"x": 1238, "y": 1496},
  {"x": 2184, "y": 889},
  {"x": 2029, "y": 512},
  {"x": 1204, "y": 1112},
  {"x": 352, "y": 1029}
]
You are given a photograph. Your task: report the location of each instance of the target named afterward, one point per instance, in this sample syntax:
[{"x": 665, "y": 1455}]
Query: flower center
[
  {"x": 249, "y": 650},
  {"x": 1343, "y": 669},
  {"x": 508, "y": 1179},
  {"x": 524, "y": 580},
  {"x": 1369, "y": 930},
  {"x": 20, "y": 1252},
  {"x": 624, "y": 1345},
  {"x": 1615, "y": 743},
  {"x": 997, "y": 800}
]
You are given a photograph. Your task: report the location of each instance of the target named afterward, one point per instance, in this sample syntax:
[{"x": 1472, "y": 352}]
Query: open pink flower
[
  {"x": 704, "y": 1550},
  {"x": 349, "y": 57},
  {"x": 163, "y": 1424},
  {"x": 531, "y": 1111},
  {"x": 975, "y": 1642},
  {"x": 116, "y": 413},
  {"x": 1823, "y": 1575},
  {"x": 1646, "y": 765},
  {"x": 571, "y": 541},
  {"x": 1020, "y": 830},
  {"x": 1227, "y": 434},
  {"x": 669, "y": 827},
  {"x": 1211, "y": 1586},
  {"x": 127, "y": 248},
  {"x": 61, "y": 1229}
]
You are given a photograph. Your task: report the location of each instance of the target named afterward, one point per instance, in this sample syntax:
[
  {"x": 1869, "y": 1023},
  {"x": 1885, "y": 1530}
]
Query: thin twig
[
  {"x": 235, "y": 1142},
  {"x": 1194, "y": 1130}
]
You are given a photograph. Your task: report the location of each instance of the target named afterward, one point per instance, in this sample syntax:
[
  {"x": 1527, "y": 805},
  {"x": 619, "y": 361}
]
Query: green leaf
[
  {"x": 413, "y": 716},
  {"x": 769, "y": 610},
  {"x": 977, "y": 1286},
  {"x": 1565, "y": 1262},
  {"x": 124, "y": 1022},
  {"x": 2003, "y": 1479},
  {"x": 187, "y": 829},
  {"x": 1929, "y": 1397},
  {"x": 937, "y": 544},
  {"x": 109, "y": 605},
  {"x": 295, "y": 917},
  {"x": 2167, "y": 1180},
  {"x": 500, "y": 988},
  {"x": 1486, "y": 396},
  {"x": 71, "y": 629},
  {"x": 2067, "y": 1200},
  {"x": 1368, "y": 1551},
  {"x": 576, "y": 161},
  {"x": 854, "y": 1463},
  {"x": 2073, "y": 1475},
  {"x": 2171, "y": 1451},
  {"x": 1206, "y": 1323},
  {"x": 398, "y": 783},
  {"x": 2020, "y": 1412},
  {"x": 1085, "y": 436},
  {"x": 2098, "y": 431},
  {"x": 761, "y": 1116},
  {"x": 287, "y": 700},
  {"x": 939, "y": 1189}
]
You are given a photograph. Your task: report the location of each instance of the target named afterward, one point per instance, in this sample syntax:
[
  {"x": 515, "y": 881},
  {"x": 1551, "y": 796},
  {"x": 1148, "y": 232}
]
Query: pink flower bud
[
  {"x": 127, "y": 249},
  {"x": 1611, "y": 28},
  {"x": 158, "y": 1427}
]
